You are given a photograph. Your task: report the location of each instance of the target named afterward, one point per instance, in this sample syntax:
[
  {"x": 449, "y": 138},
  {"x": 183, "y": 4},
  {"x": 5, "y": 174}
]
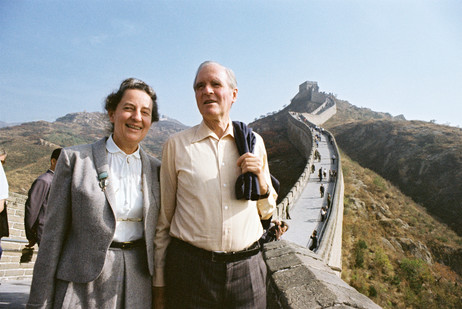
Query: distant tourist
[
  {"x": 37, "y": 200},
  {"x": 333, "y": 159},
  {"x": 321, "y": 190},
  {"x": 275, "y": 232},
  {"x": 314, "y": 240},
  {"x": 323, "y": 213},
  {"x": 96, "y": 249},
  {"x": 3, "y": 197},
  {"x": 320, "y": 174}
]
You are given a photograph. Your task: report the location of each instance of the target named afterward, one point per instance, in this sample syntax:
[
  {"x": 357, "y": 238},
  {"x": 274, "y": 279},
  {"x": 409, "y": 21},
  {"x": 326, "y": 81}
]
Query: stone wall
[
  {"x": 330, "y": 235},
  {"x": 299, "y": 279},
  {"x": 10, "y": 266},
  {"x": 318, "y": 97},
  {"x": 302, "y": 138},
  {"x": 324, "y": 113}
]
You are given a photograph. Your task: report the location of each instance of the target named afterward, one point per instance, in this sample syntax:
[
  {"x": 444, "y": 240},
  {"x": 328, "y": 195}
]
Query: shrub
[
  {"x": 359, "y": 248},
  {"x": 379, "y": 183},
  {"x": 416, "y": 272},
  {"x": 382, "y": 261},
  {"x": 372, "y": 291}
]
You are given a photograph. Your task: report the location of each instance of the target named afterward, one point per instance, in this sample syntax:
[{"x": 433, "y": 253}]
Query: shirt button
[
  {"x": 226, "y": 207},
  {"x": 224, "y": 185}
]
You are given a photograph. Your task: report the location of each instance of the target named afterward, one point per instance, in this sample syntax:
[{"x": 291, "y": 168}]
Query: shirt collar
[
  {"x": 113, "y": 148},
  {"x": 203, "y": 131}
]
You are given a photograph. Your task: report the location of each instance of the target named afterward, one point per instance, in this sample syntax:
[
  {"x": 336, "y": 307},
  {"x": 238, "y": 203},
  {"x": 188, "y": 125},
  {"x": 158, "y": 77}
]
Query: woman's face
[{"x": 131, "y": 119}]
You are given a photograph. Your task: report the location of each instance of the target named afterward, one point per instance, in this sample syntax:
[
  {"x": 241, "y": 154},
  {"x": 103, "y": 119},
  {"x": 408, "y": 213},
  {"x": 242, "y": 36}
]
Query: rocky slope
[
  {"x": 423, "y": 159},
  {"x": 393, "y": 250}
]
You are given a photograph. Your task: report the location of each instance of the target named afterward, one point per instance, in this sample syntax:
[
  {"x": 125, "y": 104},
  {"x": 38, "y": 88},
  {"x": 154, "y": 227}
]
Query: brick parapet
[
  {"x": 299, "y": 279},
  {"x": 10, "y": 266}
]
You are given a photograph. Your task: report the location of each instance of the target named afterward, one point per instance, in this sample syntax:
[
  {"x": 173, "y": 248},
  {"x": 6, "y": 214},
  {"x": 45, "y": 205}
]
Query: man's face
[{"x": 214, "y": 96}]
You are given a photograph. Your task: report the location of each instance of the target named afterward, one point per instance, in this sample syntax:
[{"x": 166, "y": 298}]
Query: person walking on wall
[
  {"x": 314, "y": 240},
  {"x": 36, "y": 203},
  {"x": 3, "y": 197}
]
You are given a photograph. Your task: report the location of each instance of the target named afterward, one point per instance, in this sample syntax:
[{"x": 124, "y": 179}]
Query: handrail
[{"x": 15, "y": 240}]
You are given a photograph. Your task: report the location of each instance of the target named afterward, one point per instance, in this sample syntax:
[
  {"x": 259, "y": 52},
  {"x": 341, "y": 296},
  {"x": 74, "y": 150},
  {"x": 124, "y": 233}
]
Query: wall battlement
[{"x": 10, "y": 266}]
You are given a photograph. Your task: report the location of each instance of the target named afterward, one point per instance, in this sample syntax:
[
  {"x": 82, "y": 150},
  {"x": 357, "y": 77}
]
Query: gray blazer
[{"x": 80, "y": 221}]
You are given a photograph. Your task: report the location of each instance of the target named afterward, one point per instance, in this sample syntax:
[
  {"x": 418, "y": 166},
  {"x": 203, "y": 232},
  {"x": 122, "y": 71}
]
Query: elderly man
[{"x": 207, "y": 252}]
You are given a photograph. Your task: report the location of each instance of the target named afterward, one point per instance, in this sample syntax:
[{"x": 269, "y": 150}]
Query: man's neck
[{"x": 218, "y": 126}]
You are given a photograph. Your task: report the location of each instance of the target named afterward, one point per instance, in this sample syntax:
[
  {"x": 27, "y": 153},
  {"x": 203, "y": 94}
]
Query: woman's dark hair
[{"x": 113, "y": 100}]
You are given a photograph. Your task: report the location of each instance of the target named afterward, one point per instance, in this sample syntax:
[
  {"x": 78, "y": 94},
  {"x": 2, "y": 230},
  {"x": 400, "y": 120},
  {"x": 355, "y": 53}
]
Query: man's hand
[
  {"x": 279, "y": 232},
  {"x": 158, "y": 297},
  {"x": 249, "y": 162}
]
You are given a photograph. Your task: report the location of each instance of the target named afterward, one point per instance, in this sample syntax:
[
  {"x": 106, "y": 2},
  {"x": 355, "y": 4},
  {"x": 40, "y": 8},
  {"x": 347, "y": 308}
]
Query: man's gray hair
[{"x": 232, "y": 82}]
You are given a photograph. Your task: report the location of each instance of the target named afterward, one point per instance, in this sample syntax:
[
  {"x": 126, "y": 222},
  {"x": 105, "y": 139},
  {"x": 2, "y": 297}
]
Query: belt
[
  {"x": 218, "y": 256},
  {"x": 130, "y": 219},
  {"x": 128, "y": 244}
]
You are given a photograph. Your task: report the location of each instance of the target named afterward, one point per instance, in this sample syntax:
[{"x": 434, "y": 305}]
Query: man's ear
[
  {"x": 53, "y": 164},
  {"x": 235, "y": 91}
]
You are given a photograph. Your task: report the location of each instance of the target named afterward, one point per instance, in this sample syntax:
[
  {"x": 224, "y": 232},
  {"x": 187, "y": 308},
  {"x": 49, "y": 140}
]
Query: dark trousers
[{"x": 193, "y": 281}]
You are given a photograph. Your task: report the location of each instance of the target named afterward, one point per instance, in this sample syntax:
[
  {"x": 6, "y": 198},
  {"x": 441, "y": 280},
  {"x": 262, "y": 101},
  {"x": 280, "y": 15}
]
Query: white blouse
[
  {"x": 3, "y": 184},
  {"x": 125, "y": 177}
]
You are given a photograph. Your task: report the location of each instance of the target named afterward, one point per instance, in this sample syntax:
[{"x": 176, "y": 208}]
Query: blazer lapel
[
  {"x": 102, "y": 167},
  {"x": 146, "y": 182}
]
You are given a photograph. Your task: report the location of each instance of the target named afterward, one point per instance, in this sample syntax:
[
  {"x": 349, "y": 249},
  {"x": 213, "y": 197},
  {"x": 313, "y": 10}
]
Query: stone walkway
[
  {"x": 14, "y": 293},
  {"x": 306, "y": 213}
]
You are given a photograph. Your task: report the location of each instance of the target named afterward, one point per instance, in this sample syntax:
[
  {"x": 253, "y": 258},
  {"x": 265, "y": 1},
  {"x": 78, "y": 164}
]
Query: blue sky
[{"x": 401, "y": 57}]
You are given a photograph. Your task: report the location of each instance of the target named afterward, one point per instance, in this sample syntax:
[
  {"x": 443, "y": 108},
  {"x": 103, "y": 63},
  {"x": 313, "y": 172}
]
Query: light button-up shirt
[
  {"x": 125, "y": 177},
  {"x": 198, "y": 200}
]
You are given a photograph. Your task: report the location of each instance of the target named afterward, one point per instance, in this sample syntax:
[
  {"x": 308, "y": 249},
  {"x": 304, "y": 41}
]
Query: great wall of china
[{"x": 297, "y": 276}]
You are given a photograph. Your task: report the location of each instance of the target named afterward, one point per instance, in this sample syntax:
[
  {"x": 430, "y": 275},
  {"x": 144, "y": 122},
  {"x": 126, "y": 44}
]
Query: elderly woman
[{"x": 97, "y": 244}]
